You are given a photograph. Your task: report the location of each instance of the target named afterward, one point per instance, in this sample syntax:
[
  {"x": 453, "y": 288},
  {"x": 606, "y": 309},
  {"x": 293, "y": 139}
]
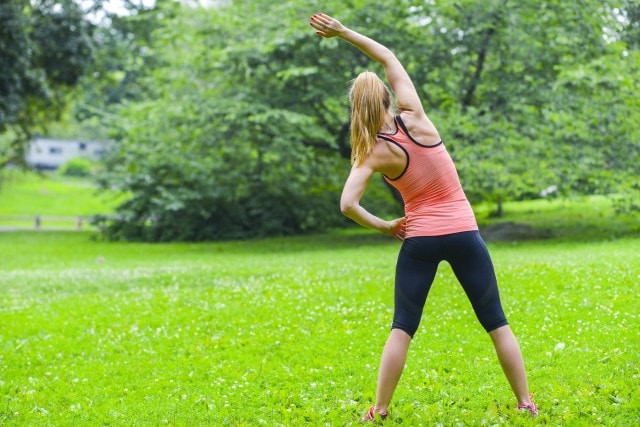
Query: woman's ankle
[{"x": 382, "y": 409}]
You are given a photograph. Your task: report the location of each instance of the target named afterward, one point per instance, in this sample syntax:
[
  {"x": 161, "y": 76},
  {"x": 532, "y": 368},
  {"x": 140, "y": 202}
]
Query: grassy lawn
[
  {"x": 289, "y": 331},
  {"x": 578, "y": 218},
  {"x": 24, "y": 195}
]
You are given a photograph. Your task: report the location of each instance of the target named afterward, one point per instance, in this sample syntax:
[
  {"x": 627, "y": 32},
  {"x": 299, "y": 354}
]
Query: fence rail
[{"x": 44, "y": 222}]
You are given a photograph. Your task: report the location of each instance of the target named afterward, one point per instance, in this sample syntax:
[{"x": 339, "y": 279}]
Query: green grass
[
  {"x": 23, "y": 195},
  {"x": 289, "y": 331},
  {"x": 26, "y": 194},
  {"x": 580, "y": 218}
]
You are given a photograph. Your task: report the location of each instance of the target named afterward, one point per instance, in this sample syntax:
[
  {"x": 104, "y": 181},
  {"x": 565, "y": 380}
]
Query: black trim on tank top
[
  {"x": 404, "y": 128},
  {"x": 406, "y": 154}
]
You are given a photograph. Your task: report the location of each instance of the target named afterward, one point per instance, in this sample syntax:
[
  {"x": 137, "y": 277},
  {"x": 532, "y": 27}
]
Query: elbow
[
  {"x": 388, "y": 57},
  {"x": 347, "y": 208}
]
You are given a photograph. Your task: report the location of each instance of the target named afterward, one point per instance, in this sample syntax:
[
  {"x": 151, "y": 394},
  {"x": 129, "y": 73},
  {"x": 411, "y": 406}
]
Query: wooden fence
[{"x": 44, "y": 222}]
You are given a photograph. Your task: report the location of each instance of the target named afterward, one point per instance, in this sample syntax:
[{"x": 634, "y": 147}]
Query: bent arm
[
  {"x": 353, "y": 191},
  {"x": 350, "y": 204}
]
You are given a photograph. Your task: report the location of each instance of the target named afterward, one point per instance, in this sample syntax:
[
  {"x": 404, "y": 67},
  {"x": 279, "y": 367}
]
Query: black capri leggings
[{"x": 470, "y": 261}]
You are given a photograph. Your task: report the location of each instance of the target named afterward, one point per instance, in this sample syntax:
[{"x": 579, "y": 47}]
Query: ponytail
[{"x": 370, "y": 99}]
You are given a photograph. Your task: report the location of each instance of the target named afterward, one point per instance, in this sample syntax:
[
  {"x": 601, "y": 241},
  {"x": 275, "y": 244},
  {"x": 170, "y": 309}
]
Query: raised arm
[{"x": 407, "y": 99}]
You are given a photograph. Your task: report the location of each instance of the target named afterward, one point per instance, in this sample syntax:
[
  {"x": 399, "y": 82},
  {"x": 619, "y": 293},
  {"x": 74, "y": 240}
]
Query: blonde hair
[{"x": 370, "y": 99}]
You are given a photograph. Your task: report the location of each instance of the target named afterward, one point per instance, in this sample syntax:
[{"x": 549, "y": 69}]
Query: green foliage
[
  {"x": 580, "y": 218},
  {"x": 123, "y": 56},
  {"x": 627, "y": 203},
  {"x": 217, "y": 156},
  {"x": 535, "y": 108},
  {"x": 265, "y": 181},
  {"x": 289, "y": 331},
  {"x": 46, "y": 46},
  {"x": 78, "y": 166},
  {"x": 239, "y": 133},
  {"x": 233, "y": 119}
]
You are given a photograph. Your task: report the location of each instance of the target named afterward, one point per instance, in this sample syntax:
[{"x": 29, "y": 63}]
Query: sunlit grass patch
[
  {"x": 289, "y": 332},
  {"x": 58, "y": 200},
  {"x": 575, "y": 218}
]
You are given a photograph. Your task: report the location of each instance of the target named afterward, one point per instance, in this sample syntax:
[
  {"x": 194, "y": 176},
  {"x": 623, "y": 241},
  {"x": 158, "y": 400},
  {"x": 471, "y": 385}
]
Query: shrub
[{"x": 78, "y": 166}]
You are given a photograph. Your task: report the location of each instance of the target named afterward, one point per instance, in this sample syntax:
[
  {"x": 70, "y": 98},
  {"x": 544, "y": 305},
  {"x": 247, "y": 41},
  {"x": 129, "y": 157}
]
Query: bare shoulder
[
  {"x": 384, "y": 150},
  {"x": 420, "y": 127},
  {"x": 387, "y": 158}
]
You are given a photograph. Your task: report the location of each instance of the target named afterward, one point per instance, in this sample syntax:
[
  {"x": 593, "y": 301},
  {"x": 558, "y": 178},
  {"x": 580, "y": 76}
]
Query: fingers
[
  {"x": 401, "y": 229},
  {"x": 322, "y": 23},
  {"x": 318, "y": 25},
  {"x": 318, "y": 22},
  {"x": 321, "y": 18}
]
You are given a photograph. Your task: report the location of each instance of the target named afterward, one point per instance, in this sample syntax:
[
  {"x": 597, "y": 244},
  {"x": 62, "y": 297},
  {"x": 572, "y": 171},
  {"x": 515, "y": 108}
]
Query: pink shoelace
[
  {"x": 531, "y": 407},
  {"x": 370, "y": 416}
]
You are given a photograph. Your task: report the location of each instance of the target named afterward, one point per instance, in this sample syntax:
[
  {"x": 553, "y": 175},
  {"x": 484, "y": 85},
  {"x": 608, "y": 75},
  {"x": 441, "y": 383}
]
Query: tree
[
  {"x": 122, "y": 57},
  {"x": 45, "y": 47},
  {"x": 508, "y": 59},
  {"x": 214, "y": 155},
  {"x": 244, "y": 130}
]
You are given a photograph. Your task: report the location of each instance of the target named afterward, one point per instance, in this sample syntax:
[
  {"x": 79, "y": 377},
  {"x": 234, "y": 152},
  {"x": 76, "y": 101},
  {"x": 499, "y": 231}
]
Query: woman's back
[{"x": 435, "y": 203}]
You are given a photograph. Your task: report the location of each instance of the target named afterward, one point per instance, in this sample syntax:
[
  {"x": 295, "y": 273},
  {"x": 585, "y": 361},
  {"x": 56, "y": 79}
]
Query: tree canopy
[
  {"x": 45, "y": 48},
  {"x": 232, "y": 120}
]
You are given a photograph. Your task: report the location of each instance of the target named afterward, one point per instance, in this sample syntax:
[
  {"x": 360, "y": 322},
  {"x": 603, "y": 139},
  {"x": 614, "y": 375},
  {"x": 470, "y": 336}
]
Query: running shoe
[
  {"x": 531, "y": 407},
  {"x": 370, "y": 416}
]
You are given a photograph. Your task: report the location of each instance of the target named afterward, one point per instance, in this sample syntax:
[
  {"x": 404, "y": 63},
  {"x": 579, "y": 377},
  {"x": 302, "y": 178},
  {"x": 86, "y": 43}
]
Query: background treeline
[{"x": 232, "y": 119}]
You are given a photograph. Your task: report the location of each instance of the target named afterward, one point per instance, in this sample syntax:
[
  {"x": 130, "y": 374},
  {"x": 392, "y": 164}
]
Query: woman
[{"x": 439, "y": 224}]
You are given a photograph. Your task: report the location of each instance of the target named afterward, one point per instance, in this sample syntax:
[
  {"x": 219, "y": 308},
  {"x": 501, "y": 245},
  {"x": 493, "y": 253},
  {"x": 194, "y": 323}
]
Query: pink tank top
[{"x": 434, "y": 201}]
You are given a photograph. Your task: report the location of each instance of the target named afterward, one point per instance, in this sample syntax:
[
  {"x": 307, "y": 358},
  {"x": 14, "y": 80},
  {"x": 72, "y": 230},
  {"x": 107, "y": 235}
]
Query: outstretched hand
[
  {"x": 325, "y": 25},
  {"x": 397, "y": 228}
]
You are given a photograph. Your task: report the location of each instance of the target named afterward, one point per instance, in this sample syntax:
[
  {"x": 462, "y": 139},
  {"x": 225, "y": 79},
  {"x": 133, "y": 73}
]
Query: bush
[
  {"x": 78, "y": 167},
  {"x": 190, "y": 180}
]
